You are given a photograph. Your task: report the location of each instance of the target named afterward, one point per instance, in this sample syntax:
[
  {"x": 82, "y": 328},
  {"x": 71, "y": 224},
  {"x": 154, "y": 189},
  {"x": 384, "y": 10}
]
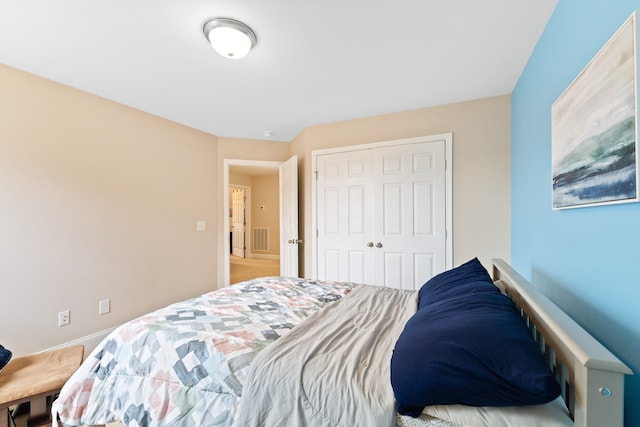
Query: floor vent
[{"x": 260, "y": 238}]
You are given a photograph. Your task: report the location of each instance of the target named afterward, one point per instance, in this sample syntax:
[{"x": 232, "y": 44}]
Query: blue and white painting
[{"x": 594, "y": 156}]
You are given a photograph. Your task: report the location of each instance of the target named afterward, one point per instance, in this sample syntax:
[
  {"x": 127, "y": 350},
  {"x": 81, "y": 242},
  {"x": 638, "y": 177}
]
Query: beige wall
[
  {"x": 97, "y": 201},
  {"x": 239, "y": 179},
  {"x": 481, "y": 171},
  {"x": 265, "y": 192}
]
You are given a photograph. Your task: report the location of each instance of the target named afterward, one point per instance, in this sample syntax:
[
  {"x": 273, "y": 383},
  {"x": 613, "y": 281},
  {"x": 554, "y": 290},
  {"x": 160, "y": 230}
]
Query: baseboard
[
  {"x": 264, "y": 256},
  {"x": 89, "y": 341}
]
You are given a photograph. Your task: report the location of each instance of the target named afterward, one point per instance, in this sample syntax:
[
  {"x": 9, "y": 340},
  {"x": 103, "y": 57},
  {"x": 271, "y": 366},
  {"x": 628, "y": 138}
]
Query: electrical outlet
[
  {"x": 104, "y": 306},
  {"x": 64, "y": 318}
]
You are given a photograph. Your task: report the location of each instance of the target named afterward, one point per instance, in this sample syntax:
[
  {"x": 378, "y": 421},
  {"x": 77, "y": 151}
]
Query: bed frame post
[
  {"x": 592, "y": 378},
  {"x": 602, "y": 402}
]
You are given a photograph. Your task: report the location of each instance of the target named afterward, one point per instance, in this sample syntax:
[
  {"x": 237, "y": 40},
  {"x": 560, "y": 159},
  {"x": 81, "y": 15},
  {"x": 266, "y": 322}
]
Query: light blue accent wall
[{"x": 587, "y": 260}]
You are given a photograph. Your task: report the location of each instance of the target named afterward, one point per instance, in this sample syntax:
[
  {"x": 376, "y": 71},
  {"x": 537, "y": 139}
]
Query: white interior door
[
  {"x": 345, "y": 216},
  {"x": 410, "y": 226},
  {"x": 289, "y": 242},
  {"x": 238, "y": 222},
  {"x": 382, "y": 213}
]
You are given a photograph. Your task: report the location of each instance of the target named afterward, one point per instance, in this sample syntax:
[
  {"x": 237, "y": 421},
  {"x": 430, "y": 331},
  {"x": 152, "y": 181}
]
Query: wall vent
[{"x": 261, "y": 238}]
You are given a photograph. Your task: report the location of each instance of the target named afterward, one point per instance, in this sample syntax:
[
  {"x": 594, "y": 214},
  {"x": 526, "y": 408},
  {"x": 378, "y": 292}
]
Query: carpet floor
[{"x": 250, "y": 268}]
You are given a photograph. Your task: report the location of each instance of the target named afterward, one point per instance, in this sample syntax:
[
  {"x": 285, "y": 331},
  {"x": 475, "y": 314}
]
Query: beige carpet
[{"x": 250, "y": 268}]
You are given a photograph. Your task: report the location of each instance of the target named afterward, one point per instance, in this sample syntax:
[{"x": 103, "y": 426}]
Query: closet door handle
[
  {"x": 378, "y": 245},
  {"x": 370, "y": 244}
]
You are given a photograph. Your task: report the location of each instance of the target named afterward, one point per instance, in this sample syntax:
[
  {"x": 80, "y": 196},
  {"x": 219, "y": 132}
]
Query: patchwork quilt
[{"x": 185, "y": 365}]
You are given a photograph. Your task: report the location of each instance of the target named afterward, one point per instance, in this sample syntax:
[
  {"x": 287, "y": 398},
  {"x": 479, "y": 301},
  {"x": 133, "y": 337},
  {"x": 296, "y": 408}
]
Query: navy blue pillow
[
  {"x": 468, "y": 277},
  {"x": 471, "y": 350},
  {"x": 5, "y": 356}
]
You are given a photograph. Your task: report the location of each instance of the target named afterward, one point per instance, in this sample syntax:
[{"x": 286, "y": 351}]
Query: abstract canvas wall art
[{"x": 594, "y": 129}]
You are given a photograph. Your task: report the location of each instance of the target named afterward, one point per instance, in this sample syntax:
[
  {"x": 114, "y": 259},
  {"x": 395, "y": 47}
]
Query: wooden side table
[{"x": 36, "y": 379}]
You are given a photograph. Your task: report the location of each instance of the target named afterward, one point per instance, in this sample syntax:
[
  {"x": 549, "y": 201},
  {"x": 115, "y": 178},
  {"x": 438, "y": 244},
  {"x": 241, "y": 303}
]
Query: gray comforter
[{"x": 332, "y": 369}]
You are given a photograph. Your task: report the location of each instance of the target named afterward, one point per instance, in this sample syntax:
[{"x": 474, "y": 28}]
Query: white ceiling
[{"x": 315, "y": 62}]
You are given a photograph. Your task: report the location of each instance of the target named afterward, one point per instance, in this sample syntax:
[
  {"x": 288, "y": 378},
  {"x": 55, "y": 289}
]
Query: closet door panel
[
  {"x": 357, "y": 264},
  {"x": 423, "y": 207},
  {"x": 356, "y": 210},
  {"x": 412, "y": 200},
  {"x": 394, "y": 266},
  {"x": 392, "y": 209},
  {"x": 345, "y": 219},
  {"x": 330, "y": 265},
  {"x": 331, "y": 211},
  {"x": 423, "y": 266}
]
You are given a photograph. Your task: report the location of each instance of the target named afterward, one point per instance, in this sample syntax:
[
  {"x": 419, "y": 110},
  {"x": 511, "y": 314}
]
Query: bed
[{"x": 280, "y": 351}]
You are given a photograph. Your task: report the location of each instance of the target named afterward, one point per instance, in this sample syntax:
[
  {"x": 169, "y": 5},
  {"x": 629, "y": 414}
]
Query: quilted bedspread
[{"x": 185, "y": 365}]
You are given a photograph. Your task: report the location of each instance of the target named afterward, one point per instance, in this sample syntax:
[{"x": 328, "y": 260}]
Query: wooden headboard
[{"x": 591, "y": 377}]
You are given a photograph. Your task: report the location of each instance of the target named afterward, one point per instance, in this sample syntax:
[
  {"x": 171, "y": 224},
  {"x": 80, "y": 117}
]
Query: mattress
[{"x": 192, "y": 363}]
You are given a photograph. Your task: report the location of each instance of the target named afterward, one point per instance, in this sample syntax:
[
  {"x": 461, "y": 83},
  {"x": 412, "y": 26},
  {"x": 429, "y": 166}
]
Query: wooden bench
[{"x": 36, "y": 379}]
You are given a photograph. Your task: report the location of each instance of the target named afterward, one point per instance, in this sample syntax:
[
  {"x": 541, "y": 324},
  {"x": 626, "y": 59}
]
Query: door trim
[{"x": 448, "y": 148}]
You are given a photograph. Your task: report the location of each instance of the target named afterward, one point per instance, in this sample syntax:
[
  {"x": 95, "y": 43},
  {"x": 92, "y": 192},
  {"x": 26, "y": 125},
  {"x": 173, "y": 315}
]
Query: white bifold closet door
[{"x": 381, "y": 214}]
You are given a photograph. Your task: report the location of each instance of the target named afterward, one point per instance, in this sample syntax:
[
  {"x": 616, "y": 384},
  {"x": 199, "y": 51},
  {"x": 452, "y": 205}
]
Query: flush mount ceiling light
[{"x": 230, "y": 38}]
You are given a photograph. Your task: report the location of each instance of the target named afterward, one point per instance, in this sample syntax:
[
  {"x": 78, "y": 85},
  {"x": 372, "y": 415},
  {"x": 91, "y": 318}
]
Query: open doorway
[
  {"x": 280, "y": 239},
  {"x": 253, "y": 221}
]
